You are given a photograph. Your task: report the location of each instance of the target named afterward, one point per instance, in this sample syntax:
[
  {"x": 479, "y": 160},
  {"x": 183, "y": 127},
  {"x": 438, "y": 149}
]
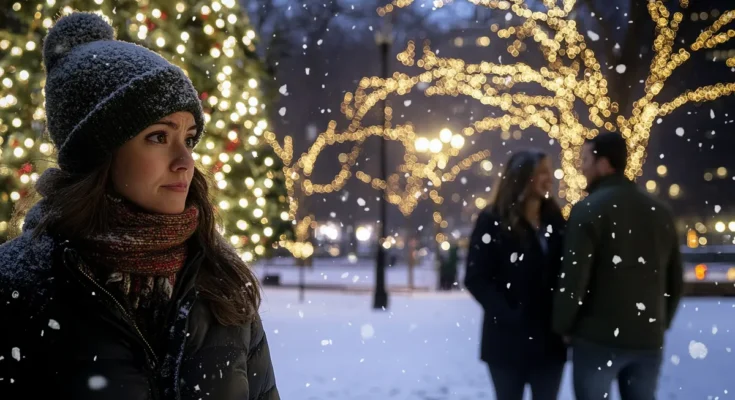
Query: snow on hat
[{"x": 101, "y": 92}]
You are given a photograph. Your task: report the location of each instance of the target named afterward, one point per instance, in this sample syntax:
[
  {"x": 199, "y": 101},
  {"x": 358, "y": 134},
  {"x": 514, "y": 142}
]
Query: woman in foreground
[{"x": 119, "y": 286}]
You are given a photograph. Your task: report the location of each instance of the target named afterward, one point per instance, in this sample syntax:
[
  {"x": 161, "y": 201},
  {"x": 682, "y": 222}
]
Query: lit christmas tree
[{"x": 213, "y": 43}]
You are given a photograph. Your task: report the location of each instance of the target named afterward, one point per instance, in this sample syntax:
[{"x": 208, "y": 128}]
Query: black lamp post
[{"x": 383, "y": 39}]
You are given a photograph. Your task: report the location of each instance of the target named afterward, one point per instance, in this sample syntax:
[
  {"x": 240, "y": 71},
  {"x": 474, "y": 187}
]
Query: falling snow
[
  {"x": 337, "y": 317},
  {"x": 367, "y": 331},
  {"x": 97, "y": 382},
  {"x": 15, "y": 353},
  {"x": 697, "y": 349}
]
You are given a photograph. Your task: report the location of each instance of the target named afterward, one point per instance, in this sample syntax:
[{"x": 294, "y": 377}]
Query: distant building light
[
  {"x": 692, "y": 239},
  {"x": 445, "y": 135},
  {"x": 363, "y": 233},
  {"x": 329, "y": 231},
  {"x": 720, "y": 226},
  {"x": 700, "y": 271}
]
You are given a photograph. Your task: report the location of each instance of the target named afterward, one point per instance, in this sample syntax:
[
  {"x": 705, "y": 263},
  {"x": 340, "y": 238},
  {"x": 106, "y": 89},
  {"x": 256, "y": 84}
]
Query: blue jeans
[
  {"x": 597, "y": 366},
  {"x": 510, "y": 382}
]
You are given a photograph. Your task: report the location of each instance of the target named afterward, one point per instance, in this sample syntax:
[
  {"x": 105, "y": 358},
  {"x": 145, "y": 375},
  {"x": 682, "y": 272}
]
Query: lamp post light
[{"x": 383, "y": 39}]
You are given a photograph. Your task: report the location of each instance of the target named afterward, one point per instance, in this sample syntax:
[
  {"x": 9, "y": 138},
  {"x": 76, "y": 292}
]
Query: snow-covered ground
[{"x": 425, "y": 347}]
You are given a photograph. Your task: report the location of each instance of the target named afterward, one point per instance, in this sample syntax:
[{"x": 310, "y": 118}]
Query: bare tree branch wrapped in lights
[{"x": 571, "y": 76}]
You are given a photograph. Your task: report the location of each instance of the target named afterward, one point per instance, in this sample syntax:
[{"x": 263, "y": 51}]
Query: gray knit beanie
[{"x": 101, "y": 92}]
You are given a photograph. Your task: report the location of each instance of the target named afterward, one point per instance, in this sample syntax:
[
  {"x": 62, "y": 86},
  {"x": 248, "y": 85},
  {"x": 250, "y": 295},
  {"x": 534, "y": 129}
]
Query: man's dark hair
[{"x": 612, "y": 146}]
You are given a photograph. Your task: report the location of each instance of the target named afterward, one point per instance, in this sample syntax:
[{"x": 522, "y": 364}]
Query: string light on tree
[
  {"x": 571, "y": 75},
  {"x": 581, "y": 79}
]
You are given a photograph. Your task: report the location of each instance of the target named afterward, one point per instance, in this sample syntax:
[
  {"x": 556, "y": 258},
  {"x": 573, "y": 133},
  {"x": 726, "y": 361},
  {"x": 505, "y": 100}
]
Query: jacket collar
[{"x": 608, "y": 181}]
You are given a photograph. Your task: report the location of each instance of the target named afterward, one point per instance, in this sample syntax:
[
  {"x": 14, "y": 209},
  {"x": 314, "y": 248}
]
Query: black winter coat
[
  {"x": 63, "y": 336},
  {"x": 513, "y": 278}
]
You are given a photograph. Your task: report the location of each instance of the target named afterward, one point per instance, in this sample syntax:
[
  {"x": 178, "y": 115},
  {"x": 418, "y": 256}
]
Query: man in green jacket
[{"x": 621, "y": 279}]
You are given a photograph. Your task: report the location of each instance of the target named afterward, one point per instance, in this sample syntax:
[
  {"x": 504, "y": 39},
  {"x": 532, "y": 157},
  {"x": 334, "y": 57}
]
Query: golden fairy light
[{"x": 577, "y": 79}]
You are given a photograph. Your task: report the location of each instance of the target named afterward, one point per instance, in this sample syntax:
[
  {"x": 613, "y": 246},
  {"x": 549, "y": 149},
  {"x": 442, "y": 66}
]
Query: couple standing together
[{"x": 606, "y": 282}]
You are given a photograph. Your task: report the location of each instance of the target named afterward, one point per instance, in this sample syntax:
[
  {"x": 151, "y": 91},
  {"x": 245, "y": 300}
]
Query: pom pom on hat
[{"x": 73, "y": 30}]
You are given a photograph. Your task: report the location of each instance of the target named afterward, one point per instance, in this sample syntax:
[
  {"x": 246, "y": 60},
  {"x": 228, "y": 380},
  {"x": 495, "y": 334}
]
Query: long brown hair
[
  {"x": 509, "y": 198},
  {"x": 76, "y": 207}
]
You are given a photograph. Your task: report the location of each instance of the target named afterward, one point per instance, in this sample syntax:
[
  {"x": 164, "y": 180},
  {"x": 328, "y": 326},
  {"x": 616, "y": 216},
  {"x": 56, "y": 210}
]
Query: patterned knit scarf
[{"x": 141, "y": 254}]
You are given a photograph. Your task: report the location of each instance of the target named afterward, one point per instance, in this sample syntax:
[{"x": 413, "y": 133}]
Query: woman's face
[
  {"x": 542, "y": 181},
  {"x": 155, "y": 168}
]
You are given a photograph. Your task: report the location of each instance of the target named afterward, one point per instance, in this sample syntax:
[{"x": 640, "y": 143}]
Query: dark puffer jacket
[{"x": 63, "y": 336}]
